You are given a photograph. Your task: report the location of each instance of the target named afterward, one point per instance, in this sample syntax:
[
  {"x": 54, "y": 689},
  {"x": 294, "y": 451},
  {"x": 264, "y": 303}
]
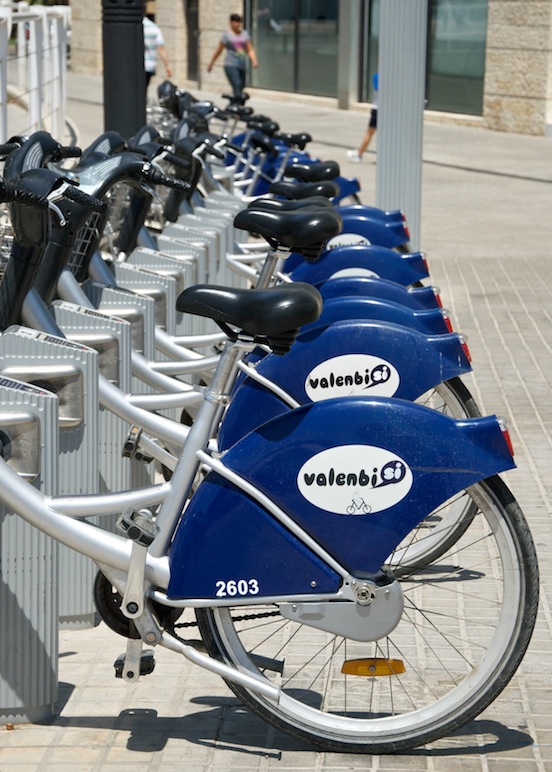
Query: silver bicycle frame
[{"x": 115, "y": 552}]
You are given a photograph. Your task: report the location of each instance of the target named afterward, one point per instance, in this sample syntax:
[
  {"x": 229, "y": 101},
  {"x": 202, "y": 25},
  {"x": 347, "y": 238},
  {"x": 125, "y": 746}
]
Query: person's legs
[
  {"x": 236, "y": 77},
  {"x": 356, "y": 155},
  {"x": 370, "y": 131}
]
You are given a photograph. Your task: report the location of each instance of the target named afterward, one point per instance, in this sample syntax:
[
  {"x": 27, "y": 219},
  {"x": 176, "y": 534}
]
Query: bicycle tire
[
  {"x": 456, "y": 663},
  {"x": 440, "y": 530}
]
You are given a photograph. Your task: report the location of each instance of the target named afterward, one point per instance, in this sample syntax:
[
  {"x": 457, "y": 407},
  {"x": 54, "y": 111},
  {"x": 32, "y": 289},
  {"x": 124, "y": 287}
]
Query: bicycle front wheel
[{"x": 467, "y": 622}]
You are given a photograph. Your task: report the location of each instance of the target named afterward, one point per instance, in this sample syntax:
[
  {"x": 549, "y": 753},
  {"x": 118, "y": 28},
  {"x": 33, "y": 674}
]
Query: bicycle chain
[{"x": 242, "y": 618}]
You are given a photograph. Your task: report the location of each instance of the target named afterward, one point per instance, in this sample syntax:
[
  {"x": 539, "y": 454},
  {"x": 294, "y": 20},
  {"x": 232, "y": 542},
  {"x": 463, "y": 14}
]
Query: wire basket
[
  {"x": 161, "y": 119},
  {"x": 6, "y": 238}
]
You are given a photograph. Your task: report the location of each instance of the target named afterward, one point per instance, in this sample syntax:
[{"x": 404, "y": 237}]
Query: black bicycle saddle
[
  {"x": 298, "y": 190},
  {"x": 275, "y": 314},
  {"x": 304, "y": 230},
  {"x": 285, "y": 205},
  {"x": 315, "y": 172}
]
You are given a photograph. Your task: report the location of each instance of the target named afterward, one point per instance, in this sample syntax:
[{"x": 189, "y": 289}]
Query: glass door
[
  {"x": 456, "y": 55},
  {"x": 296, "y": 43}
]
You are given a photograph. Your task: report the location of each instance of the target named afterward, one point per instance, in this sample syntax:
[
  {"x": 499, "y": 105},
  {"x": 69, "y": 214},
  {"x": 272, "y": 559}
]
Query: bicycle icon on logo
[{"x": 358, "y": 506}]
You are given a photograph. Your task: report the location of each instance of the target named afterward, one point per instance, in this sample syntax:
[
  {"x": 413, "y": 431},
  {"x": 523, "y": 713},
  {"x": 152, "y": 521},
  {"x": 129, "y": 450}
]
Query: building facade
[{"x": 489, "y": 62}]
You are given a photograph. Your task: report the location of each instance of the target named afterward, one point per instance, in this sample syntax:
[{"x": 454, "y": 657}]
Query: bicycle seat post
[
  {"x": 269, "y": 269},
  {"x": 215, "y": 400}
]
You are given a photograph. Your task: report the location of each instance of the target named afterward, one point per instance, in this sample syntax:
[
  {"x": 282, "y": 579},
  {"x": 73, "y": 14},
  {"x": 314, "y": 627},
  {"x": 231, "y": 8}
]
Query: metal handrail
[{"x": 35, "y": 74}]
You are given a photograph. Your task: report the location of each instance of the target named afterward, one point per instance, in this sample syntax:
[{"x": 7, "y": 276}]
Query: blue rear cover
[
  {"x": 357, "y": 474},
  {"x": 357, "y": 307},
  {"x": 356, "y": 357},
  {"x": 359, "y": 261},
  {"x": 382, "y": 289}
]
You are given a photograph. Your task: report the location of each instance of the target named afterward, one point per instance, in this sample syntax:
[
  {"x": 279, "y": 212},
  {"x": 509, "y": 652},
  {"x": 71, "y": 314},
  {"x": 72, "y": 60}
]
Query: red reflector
[
  {"x": 437, "y": 296},
  {"x": 405, "y": 226},
  {"x": 506, "y": 435},
  {"x": 466, "y": 349},
  {"x": 447, "y": 320}
]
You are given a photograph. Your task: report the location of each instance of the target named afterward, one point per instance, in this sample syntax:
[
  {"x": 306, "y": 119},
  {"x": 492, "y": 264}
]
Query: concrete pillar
[
  {"x": 348, "y": 53},
  {"x": 402, "y": 65}
]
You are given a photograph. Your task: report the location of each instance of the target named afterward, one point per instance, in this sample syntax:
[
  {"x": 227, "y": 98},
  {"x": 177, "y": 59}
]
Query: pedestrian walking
[
  {"x": 237, "y": 44},
  {"x": 356, "y": 155},
  {"x": 154, "y": 46}
]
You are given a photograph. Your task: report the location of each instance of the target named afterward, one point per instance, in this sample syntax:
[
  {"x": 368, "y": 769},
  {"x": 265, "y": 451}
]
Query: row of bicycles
[{"x": 321, "y": 489}]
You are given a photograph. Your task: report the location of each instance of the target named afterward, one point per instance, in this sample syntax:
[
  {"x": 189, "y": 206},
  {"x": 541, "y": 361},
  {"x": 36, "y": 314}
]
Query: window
[
  {"x": 296, "y": 42},
  {"x": 456, "y": 55}
]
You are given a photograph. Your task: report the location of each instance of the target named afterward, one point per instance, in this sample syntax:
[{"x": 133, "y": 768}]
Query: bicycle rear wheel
[
  {"x": 440, "y": 530},
  {"x": 467, "y": 622}
]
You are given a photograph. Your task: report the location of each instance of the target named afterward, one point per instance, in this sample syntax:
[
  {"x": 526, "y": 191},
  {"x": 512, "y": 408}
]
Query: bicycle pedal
[{"x": 147, "y": 663}]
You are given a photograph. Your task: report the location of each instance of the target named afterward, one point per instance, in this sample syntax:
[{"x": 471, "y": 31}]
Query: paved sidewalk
[{"x": 487, "y": 230}]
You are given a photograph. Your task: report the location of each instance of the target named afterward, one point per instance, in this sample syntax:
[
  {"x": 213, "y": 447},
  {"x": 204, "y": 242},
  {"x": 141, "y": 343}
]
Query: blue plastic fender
[
  {"x": 386, "y": 229},
  {"x": 369, "y": 261},
  {"x": 347, "y": 358},
  {"x": 356, "y": 474},
  {"x": 433, "y": 321},
  {"x": 414, "y": 297}
]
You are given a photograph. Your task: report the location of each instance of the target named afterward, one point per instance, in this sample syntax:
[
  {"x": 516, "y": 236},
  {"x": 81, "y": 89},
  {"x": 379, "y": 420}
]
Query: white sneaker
[{"x": 354, "y": 156}]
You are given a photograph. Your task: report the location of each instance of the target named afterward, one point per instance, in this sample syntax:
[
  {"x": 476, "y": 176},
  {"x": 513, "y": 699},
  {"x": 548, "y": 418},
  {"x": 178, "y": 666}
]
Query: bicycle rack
[
  {"x": 29, "y": 584},
  {"x": 183, "y": 248},
  {"x": 162, "y": 289},
  {"x": 214, "y": 223},
  {"x": 179, "y": 270},
  {"x": 140, "y": 312},
  {"x": 185, "y": 236},
  {"x": 70, "y": 371},
  {"x": 110, "y": 337}
]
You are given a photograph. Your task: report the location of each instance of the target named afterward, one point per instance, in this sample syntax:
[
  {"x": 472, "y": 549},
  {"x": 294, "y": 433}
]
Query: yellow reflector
[{"x": 377, "y": 666}]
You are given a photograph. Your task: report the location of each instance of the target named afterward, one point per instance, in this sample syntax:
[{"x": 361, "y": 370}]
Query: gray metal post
[
  {"x": 402, "y": 65},
  {"x": 28, "y": 560}
]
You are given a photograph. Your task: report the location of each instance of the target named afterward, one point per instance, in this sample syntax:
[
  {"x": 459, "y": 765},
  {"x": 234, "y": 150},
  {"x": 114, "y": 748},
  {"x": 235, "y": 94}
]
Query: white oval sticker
[
  {"x": 347, "y": 240},
  {"x": 354, "y": 479},
  {"x": 352, "y": 374},
  {"x": 355, "y": 271}
]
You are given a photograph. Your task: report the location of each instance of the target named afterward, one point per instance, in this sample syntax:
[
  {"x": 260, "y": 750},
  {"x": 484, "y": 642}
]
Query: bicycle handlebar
[
  {"x": 64, "y": 152},
  {"x": 80, "y": 197},
  {"x": 7, "y": 148},
  {"x": 10, "y": 193},
  {"x": 158, "y": 178}
]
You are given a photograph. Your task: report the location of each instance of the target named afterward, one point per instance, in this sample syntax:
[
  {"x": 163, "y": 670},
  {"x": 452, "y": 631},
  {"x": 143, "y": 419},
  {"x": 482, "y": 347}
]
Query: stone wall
[
  {"x": 86, "y": 36},
  {"x": 170, "y": 15},
  {"x": 518, "y": 70}
]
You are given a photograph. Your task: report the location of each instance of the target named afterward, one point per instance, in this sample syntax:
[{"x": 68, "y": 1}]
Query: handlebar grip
[
  {"x": 65, "y": 152},
  {"x": 9, "y": 193},
  {"x": 181, "y": 163},
  {"x": 211, "y": 150},
  {"x": 80, "y": 197},
  {"x": 157, "y": 178},
  {"x": 7, "y": 148}
]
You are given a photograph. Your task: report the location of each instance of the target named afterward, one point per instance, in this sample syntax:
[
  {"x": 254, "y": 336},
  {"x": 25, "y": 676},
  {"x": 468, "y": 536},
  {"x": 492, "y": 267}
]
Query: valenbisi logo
[
  {"x": 347, "y": 240},
  {"x": 354, "y": 479},
  {"x": 352, "y": 374}
]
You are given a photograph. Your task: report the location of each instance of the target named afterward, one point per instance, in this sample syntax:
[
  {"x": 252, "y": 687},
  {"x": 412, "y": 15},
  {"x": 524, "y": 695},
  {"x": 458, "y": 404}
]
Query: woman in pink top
[{"x": 238, "y": 46}]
